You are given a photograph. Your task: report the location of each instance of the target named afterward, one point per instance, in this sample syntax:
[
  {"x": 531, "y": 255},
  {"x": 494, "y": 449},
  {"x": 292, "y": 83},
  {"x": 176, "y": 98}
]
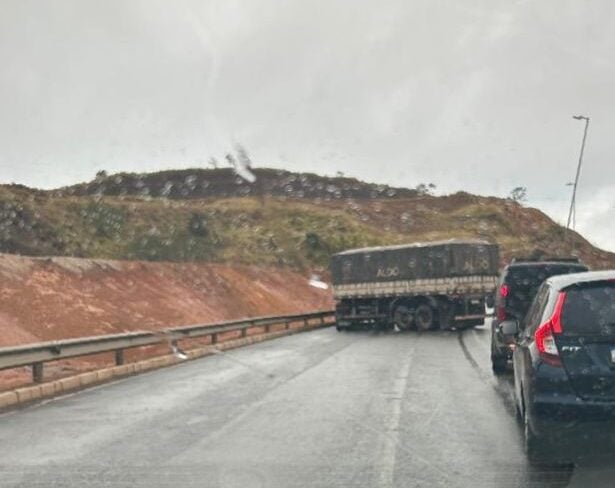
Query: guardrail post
[
  {"x": 37, "y": 372},
  {"x": 35, "y": 355},
  {"x": 119, "y": 357}
]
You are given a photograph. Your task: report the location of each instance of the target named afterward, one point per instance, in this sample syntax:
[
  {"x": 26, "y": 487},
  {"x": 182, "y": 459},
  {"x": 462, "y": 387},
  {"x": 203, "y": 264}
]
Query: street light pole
[{"x": 576, "y": 179}]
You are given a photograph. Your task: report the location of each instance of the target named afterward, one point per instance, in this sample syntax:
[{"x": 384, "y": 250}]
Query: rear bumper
[
  {"x": 569, "y": 419},
  {"x": 504, "y": 345},
  {"x": 506, "y": 351}
]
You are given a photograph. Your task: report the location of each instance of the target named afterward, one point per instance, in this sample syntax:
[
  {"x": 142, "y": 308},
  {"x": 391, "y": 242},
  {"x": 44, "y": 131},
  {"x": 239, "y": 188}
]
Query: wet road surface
[{"x": 320, "y": 409}]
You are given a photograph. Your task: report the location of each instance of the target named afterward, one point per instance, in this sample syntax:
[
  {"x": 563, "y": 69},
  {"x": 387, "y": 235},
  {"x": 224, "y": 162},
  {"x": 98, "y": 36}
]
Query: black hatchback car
[
  {"x": 517, "y": 286},
  {"x": 564, "y": 365}
]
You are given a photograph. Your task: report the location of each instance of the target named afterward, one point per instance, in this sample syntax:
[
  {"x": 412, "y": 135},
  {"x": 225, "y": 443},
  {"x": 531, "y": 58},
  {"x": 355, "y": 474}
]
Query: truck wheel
[
  {"x": 424, "y": 317},
  {"x": 403, "y": 317}
]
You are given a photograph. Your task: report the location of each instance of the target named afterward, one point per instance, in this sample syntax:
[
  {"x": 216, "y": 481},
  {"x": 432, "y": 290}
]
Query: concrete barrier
[{"x": 8, "y": 399}]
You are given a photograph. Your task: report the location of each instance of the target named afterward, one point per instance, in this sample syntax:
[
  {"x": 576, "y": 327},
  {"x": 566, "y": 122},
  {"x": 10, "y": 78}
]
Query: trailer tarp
[{"x": 441, "y": 259}]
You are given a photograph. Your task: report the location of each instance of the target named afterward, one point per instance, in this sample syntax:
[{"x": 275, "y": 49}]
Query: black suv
[
  {"x": 517, "y": 287},
  {"x": 564, "y": 366}
]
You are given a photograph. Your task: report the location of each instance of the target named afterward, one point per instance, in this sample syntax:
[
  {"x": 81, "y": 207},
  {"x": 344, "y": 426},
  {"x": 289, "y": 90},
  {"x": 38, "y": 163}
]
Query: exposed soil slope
[{"x": 45, "y": 299}]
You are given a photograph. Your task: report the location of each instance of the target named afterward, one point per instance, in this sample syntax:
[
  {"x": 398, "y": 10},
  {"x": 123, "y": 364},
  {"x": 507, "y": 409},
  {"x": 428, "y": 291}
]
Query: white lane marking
[{"x": 391, "y": 425}]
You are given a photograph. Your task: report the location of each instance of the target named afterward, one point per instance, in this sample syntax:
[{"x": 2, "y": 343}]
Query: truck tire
[
  {"x": 424, "y": 317},
  {"x": 403, "y": 317}
]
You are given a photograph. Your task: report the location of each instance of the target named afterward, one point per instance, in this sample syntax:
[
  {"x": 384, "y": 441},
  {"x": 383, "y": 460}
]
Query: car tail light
[
  {"x": 501, "y": 314},
  {"x": 502, "y": 308},
  {"x": 544, "y": 335}
]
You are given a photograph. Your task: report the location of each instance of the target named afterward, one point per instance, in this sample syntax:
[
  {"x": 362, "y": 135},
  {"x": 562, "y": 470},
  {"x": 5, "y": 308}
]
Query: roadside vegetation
[{"x": 299, "y": 224}]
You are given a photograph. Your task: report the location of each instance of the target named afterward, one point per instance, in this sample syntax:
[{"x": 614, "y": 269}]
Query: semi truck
[{"x": 443, "y": 284}]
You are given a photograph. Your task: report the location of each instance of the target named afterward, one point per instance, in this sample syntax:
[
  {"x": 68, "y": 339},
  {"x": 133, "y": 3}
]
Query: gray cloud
[{"x": 475, "y": 95}]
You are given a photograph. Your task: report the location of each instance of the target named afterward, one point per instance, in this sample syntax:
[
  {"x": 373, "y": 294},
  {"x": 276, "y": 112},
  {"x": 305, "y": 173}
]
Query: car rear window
[
  {"x": 524, "y": 282},
  {"x": 530, "y": 277},
  {"x": 590, "y": 310}
]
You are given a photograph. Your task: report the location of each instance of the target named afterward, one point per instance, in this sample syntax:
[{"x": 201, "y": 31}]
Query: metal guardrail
[{"x": 35, "y": 355}]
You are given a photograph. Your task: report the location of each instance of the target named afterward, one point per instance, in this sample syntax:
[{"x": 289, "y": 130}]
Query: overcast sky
[{"x": 472, "y": 95}]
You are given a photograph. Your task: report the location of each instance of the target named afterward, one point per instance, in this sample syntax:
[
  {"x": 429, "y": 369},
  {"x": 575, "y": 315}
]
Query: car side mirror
[
  {"x": 510, "y": 327},
  {"x": 489, "y": 301}
]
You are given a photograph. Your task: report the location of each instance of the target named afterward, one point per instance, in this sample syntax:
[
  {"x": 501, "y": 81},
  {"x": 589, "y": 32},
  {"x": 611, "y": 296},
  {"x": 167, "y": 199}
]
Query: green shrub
[
  {"x": 181, "y": 246},
  {"x": 105, "y": 220},
  {"x": 197, "y": 226}
]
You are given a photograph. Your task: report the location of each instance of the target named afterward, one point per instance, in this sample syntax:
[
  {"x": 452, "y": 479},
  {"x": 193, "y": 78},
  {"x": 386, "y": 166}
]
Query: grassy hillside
[{"x": 300, "y": 223}]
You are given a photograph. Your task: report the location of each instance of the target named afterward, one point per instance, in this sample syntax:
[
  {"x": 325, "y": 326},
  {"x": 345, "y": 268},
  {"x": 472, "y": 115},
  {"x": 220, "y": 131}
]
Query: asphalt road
[{"x": 320, "y": 409}]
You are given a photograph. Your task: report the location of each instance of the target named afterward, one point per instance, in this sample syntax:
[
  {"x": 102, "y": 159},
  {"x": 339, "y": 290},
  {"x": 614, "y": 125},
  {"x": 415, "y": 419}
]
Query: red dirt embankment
[{"x": 44, "y": 299}]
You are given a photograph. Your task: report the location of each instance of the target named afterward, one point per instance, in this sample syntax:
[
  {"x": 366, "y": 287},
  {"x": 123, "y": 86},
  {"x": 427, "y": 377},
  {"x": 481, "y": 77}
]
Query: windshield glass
[{"x": 292, "y": 243}]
